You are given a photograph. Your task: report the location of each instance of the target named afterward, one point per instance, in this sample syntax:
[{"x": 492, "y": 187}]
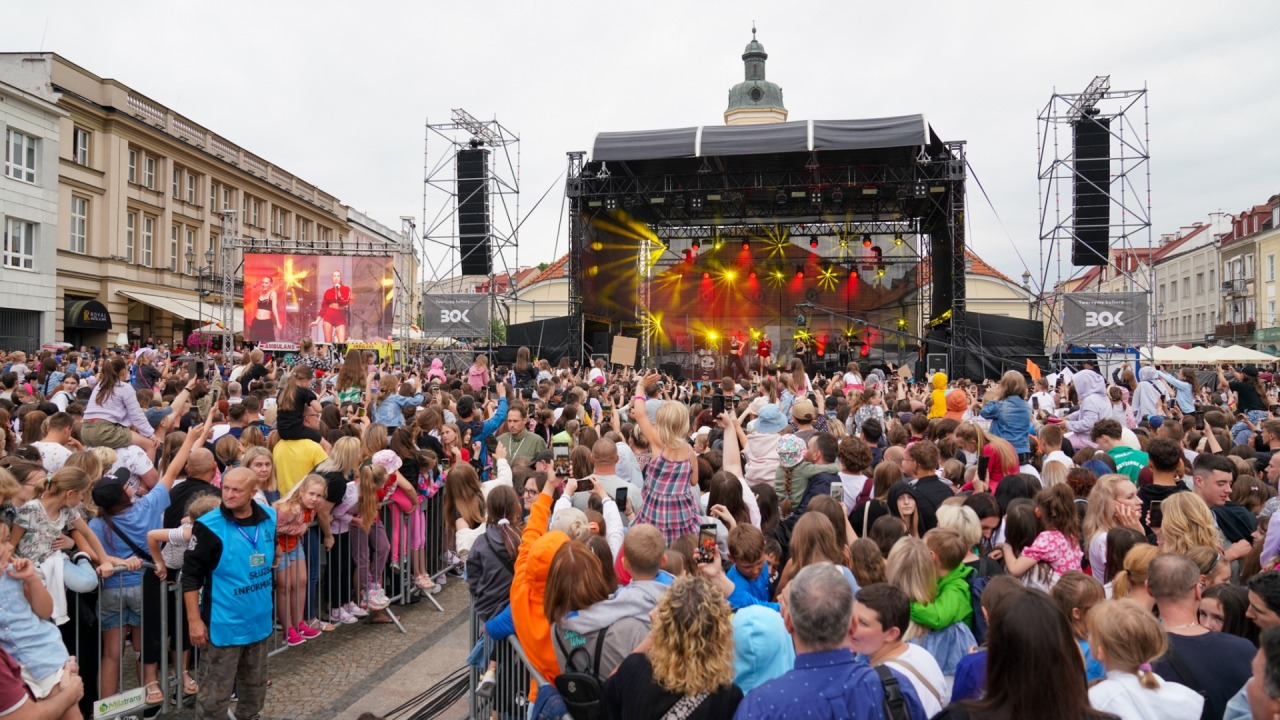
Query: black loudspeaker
[
  {"x": 473, "y": 211},
  {"x": 506, "y": 354},
  {"x": 1091, "y": 190},
  {"x": 672, "y": 369}
]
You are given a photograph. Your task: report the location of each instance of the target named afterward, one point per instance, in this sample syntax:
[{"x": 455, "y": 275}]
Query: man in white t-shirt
[
  {"x": 142, "y": 472},
  {"x": 881, "y": 614}
]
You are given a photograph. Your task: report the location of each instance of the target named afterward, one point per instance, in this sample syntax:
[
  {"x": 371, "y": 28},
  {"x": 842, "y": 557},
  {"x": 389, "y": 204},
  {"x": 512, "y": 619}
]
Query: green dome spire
[{"x": 755, "y": 92}]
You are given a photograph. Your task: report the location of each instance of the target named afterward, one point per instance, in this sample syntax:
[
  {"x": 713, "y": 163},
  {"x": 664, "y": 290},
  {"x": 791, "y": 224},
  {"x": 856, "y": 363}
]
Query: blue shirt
[
  {"x": 758, "y": 588},
  {"x": 971, "y": 677},
  {"x": 146, "y": 514},
  {"x": 831, "y": 684}
]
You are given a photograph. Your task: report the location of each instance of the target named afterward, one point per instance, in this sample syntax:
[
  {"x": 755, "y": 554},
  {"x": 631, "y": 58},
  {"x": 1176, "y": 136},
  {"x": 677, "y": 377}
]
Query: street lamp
[{"x": 200, "y": 273}]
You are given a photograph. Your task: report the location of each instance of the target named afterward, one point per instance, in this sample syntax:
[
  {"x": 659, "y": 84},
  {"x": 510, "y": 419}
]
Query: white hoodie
[{"x": 1122, "y": 694}]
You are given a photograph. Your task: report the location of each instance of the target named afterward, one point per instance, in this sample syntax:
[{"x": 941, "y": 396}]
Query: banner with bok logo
[
  {"x": 1106, "y": 318},
  {"x": 462, "y": 315}
]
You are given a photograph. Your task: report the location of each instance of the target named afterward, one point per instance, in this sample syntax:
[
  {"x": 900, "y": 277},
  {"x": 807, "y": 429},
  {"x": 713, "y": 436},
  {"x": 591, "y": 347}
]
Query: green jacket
[{"x": 951, "y": 604}]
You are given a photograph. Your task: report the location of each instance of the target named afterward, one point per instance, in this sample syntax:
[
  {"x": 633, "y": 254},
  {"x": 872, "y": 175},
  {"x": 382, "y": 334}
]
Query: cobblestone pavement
[{"x": 366, "y": 667}]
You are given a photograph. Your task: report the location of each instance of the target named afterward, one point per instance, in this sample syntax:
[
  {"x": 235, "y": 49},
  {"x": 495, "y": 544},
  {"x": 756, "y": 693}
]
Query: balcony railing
[
  {"x": 1239, "y": 331},
  {"x": 1236, "y": 287}
]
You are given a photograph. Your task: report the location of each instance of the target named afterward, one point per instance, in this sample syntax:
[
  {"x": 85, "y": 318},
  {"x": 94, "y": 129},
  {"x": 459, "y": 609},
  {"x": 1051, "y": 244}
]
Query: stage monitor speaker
[
  {"x": 473, "y": 211},
  {"x": 1091, "y": 191}
]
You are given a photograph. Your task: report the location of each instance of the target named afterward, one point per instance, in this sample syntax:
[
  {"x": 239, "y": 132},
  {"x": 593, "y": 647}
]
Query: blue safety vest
[{"x": 239, "y": 595}]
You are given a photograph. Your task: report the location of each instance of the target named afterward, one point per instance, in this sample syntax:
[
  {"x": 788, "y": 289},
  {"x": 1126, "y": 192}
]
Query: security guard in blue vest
[{"x": 226, "y": 583}]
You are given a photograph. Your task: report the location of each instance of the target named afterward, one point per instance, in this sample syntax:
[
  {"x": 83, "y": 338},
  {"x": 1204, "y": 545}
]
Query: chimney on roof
[{"x": 1166, "y": 238}]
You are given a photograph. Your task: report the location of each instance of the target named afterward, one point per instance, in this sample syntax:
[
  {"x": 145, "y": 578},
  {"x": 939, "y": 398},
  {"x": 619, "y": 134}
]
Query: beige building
[
  {"x": 544, "y": 295},
  {"x": 1267, "y": 333},
  {"x": 140, "y": 190},
  {"x": 755, "y": 100}
]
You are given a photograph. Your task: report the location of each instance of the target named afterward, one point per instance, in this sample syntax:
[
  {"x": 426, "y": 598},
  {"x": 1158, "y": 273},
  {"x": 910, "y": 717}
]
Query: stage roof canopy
[{"x": 788, "y": 137}]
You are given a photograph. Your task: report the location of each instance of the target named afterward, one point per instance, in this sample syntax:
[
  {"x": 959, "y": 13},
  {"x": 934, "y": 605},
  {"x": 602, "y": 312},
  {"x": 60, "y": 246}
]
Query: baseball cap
[{"x": 803, "y": 409}]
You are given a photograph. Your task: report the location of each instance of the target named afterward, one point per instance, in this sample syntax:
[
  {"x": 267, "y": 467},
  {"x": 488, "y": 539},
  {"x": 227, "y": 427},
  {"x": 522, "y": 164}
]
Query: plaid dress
[{"x": 669, "y": 500}]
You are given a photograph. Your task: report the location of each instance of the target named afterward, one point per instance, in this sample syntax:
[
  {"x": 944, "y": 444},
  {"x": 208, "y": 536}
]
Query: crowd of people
[{"x": 780, "y": 543}]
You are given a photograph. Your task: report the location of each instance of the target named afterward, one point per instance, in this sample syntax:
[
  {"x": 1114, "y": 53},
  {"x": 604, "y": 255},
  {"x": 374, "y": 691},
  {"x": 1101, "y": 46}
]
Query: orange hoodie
[{"x": 529, "y": 586}]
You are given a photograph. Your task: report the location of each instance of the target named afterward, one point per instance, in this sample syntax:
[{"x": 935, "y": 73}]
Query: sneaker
[
  {"x": 307, "y": 631},
  {"x": 321, "y": 625},
  {"x": 355, "y": 610},
  {"x": 293, "y": 639},
  {"x": 340, "y": 616},
  {"x": 426, "y": 584},
  {"x": 487, "y": 683},
  {"x": 378, "y": 599}
]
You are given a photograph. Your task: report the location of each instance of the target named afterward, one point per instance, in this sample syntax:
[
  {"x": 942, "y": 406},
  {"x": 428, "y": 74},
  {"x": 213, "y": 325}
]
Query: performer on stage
[
  {"x": 736, "y": 368},
  {"x": 333, "y": 310},
  {"x": 801, "y": 349},
  {"x": 764, "y": 348},
  {"x": 267, "y": 321}
]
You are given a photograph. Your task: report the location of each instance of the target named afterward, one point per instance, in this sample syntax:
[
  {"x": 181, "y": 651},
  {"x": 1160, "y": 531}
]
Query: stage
[{"x": 817, "y": 230}]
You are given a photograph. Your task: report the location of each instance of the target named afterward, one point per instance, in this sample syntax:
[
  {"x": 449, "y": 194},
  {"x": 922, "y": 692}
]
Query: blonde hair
[
  {"x": 293, "y": 501},
  {"x": 9, "y": 486},
  {"x": 1134, "y": 575},
  {"x": 672, "y": 425},
  {"x": 962, "y": 519},
  {"x": 1012, "y": 384},
  {"x": 254, "y": 453},
  {"x": 1101, "y": 515},
  {"x": 692, "y": 648},
  {"x": 105, "y": 455},
  {"x": 1054, "y": 473},
  {"x": 910, "y": 567},
  {"x": 972, "y": 433},
  {"x": 1129, "y": 636},
  {"x": 1187, "y": 523},
  {"x": 343, "y": 458}
]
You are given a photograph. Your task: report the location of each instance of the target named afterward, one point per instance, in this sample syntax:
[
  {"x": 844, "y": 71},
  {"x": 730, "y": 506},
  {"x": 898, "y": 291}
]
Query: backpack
[
  {"x": 895, "y": 704},
  {"x": 582, "y": 690}
]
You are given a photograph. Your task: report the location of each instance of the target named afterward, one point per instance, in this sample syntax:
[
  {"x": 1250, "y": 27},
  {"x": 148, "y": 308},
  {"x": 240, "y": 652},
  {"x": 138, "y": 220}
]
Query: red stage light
[
  {"x": 799, "y": 273},
  {"x": 706, "y": 276},
  {"x": 746, "y": 244},
  {"x": 752, "y": 275},
  {"x": 695, "y": 246},
  {"x": 866, "y": 241},
  {"x": 866, "y": 350},
  {"x": 813, "y": 242}
]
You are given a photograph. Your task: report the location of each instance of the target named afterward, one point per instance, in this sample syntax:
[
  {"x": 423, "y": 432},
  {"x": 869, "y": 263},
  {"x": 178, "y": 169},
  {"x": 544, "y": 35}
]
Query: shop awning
[
  {"x": 185, "y": 309},
  {"x": 87, "y": 315}
]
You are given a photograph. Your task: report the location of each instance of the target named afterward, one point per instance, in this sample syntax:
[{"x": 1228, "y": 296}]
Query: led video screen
[{"x": 328, "y": 298}]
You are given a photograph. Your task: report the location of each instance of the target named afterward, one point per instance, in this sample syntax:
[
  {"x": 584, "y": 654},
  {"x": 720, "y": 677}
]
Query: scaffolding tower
[
  {"x": 442, "y": 255},
  {"x": 1124, "y": 114}
]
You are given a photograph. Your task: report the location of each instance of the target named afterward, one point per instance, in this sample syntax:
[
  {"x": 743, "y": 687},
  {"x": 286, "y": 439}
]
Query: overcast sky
[{"x": 338, "y": 92}]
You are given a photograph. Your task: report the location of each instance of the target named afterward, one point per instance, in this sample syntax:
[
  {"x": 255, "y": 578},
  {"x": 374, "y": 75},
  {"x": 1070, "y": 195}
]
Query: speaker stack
[{"x": 1091, "y": 190}]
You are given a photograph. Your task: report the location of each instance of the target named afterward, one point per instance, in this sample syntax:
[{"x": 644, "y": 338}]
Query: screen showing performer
[{"x": 330, "y": 299}]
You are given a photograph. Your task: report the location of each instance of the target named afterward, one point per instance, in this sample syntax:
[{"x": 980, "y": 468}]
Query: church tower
[{"x": 755, "y": 101}]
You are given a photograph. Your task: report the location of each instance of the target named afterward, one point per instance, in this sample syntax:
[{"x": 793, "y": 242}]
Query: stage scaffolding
[
  {"x": 233, "y": 247},
  {"x": 1124, "y": 114},
  {"x": 441, "y": 252},
  {"x": 911, "y": 200}
]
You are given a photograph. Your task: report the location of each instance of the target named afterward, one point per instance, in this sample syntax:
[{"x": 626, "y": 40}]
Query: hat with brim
[{"x": 770, "y": 419}]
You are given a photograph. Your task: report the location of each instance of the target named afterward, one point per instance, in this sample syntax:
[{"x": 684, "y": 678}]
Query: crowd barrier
[
  {"x": 114, "y": 663},
  {"x": 515, "y": 677}
]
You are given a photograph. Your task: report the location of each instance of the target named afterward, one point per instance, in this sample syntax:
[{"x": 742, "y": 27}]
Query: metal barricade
[
  {"x": 133, "y": 619},
  {"x": 514, "y": 677}
]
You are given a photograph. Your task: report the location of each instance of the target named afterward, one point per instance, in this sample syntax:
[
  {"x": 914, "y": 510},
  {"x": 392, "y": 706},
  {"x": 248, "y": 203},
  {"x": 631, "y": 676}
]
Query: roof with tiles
[{"x": 554, "y": 271}]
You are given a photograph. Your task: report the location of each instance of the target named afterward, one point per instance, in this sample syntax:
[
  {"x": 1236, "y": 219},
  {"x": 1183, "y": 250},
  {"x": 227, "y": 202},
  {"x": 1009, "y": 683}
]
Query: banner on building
[
  {"x": 1106, "y": 318},
  {"x": 455, "y": 315}
]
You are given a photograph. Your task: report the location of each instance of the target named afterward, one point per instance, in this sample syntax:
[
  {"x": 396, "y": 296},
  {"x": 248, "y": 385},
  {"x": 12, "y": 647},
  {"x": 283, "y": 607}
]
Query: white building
[
  {"x": 1187, "y": 298},
  {"x": 29, "y": 213}
]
